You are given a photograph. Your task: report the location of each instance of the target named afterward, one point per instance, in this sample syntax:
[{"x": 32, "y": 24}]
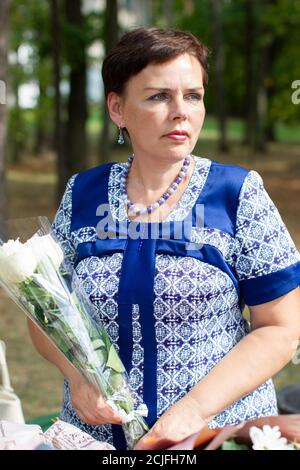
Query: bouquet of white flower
[{"x": 35, "y": 277}]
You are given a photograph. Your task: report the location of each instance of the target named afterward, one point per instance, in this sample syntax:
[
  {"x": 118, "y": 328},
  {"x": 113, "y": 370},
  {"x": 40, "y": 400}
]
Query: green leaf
[
  {"x": 114, "y": 361},
  {"x": 106, "y": 339},
  {"x": 232, "y": 445},
  {"x": 98, "y": 343},
  {"x": 116, "y": 381}
]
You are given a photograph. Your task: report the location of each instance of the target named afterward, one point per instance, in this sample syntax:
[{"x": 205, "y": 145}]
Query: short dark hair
[{"x": 148, "y": 45}]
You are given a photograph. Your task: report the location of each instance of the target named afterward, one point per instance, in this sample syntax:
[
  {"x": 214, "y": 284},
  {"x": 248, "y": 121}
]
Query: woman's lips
[{"x": 178, "y": 137}]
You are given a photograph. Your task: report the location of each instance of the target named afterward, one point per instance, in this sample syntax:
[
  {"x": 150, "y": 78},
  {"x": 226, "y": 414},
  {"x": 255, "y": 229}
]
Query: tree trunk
[
  {"x": 40, "y": 142},
  {"x": 272, "y": 52},
  {"x": 62, "y": 174},
  {"x": 15, "y": 141},
  {"x": 76, "y": 142},
  {"x": 219, "y": 72},
  {"x": 250, "y": 67},
  {"x": 111, "y": 33},
  {"x": 4, "y": 14},
  {"x": 266, "y": 58},
  {"x": 262, "y": 101}
]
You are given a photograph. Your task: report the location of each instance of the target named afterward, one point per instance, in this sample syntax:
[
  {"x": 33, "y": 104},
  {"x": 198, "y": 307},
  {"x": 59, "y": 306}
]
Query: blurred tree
[
  {"x": 219, "y": 59},
  {"x": 42, "y": 42},
  {"x": 169, "y": 12},
  {"x": 18, "y": 75},
  {"x": 235, "y": 53},
  {"x": 75, "y": 49},
  {"x": 144, "y": 12},
  {"x": 282, "y": 26},
  {"x": 62, "y": 172},
  {"x": 267, "y": 27},
  {"x": 250, "y": 89},
  {"x": 264, "y": 56},
  {"x": 253, "y": 42},
  {"x": 16, "y": 132},
  {"x": 4, "y": 13},
  {"x": 110, "y": 36},
  {"x": 31, "y": 124}
]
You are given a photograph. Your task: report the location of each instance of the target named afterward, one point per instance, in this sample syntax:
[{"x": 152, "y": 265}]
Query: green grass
[
  {"x": 288, "y": 133},
  {"x": 44, "y": 421}
]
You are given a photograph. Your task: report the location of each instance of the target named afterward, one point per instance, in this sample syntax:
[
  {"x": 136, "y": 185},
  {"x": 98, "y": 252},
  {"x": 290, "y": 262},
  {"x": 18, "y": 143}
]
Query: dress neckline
[{"x": 182, "y": 207}]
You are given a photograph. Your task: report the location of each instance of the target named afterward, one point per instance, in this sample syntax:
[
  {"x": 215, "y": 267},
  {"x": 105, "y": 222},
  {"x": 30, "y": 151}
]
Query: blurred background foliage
[
  {"x": 55, "y": 123},
  {"x": 55, "y": 49}
]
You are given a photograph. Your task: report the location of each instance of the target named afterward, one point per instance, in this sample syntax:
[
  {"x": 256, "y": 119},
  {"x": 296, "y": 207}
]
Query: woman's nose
[{"x": 178, "y": 109}]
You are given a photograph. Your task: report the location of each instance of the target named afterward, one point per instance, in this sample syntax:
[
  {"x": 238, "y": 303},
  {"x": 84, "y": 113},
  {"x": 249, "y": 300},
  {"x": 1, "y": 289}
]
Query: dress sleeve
[
  {"x": 61, "y": 226},
  {"x": 267, "y": 262}
]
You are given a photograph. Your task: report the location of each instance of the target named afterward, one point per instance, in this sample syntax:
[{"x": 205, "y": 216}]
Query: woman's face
[{"x": 161, "y": 99}]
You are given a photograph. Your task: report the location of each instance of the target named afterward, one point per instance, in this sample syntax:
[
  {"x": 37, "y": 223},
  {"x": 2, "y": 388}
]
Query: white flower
[
  {"x": 268, "y": 438},
  {"x": 17, "y": 262},
  {"x": 46, "y": 246}
]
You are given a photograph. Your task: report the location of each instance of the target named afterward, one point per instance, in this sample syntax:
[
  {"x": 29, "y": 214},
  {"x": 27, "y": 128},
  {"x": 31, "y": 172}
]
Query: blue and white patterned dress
[{"x": 173, "y": 312}]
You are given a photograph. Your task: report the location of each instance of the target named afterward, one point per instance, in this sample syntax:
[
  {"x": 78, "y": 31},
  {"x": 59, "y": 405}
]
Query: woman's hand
[
  {"x": 289, "y": 426},
  {"x": 90, "y": 405},
  {"x": 176, "y": 424}
]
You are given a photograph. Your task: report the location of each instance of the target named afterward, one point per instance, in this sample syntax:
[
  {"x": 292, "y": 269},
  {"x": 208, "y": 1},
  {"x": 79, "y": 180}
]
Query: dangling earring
[{"x": 121, "y": 139}]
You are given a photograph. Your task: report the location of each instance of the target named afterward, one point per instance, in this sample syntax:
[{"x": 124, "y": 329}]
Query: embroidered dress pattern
[
  {"x": 214, "y": 237},
  {"x": 197, "y": 310},
  {"x": 263, "y": 244}
]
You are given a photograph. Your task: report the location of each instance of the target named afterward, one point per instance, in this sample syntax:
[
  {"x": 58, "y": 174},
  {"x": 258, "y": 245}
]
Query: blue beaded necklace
[{"x": 163, "y": 198}]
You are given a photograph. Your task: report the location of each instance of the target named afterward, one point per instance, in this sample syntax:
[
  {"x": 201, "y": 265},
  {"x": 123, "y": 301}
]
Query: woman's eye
[
  {"x": 164, "y": 96},
  {"x": 195, "y": 96},
  {"x": 158, "y": 97}
]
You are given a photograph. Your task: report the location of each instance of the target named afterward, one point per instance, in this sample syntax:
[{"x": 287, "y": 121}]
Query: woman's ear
[{"x": 114, "y": 105}]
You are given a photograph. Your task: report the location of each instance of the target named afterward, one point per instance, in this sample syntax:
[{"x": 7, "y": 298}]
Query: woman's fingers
[
  {"x": 96, "y": 411},
  {"x": 91, "y": 407},
  {"x": 94, "y": 419},
  {"x": 107, "y": 413}
]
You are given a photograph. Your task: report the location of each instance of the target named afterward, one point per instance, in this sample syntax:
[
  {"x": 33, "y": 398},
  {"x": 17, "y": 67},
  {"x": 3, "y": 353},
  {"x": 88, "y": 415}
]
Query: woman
[{"x": 172, "y": 302}]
